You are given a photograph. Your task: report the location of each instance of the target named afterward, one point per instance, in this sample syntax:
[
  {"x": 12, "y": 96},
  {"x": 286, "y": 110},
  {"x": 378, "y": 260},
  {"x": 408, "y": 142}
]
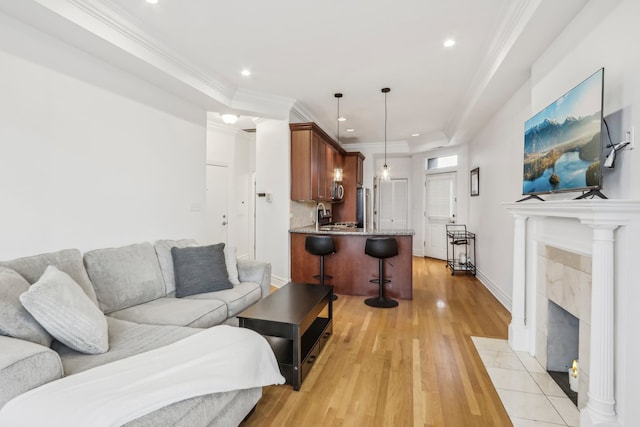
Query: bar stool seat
[
  {"x": 321, "y": 246},
  {"x": 381, "y": 248}
]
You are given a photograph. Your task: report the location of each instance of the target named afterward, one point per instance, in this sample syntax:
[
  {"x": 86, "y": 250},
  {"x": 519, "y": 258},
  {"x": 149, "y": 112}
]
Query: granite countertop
[{"x": 350, "y": 231}]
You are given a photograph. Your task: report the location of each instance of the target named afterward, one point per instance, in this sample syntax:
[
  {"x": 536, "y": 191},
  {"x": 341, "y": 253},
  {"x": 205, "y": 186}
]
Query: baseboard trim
[
  {"x": 278, "y": 282},
  {"x": 504, "y": 299}
]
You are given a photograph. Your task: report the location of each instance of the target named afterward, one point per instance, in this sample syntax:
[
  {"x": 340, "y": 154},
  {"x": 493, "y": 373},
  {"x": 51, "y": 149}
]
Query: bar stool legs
[{"x": 381, "y": 249}]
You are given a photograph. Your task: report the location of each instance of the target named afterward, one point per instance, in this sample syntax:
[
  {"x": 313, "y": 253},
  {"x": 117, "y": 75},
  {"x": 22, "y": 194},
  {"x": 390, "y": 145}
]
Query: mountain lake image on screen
[{"x": 562, "y": 147}]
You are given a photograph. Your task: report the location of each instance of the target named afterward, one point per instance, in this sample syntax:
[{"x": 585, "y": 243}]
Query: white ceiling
[{"x": 301, "y": 52}]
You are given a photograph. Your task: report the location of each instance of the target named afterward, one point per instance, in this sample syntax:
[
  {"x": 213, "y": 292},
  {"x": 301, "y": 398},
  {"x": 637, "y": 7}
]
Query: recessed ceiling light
[
  {"x": 229, "y": 118},
  {"x": 449, "y": 43},
  {"x": 246, "y": 72},
  {"x": 342, "y": 119},
  {"x": 351, "y": 130},
  {"x": 152, "y": 1},
  {"x": 415, "y": 134}
]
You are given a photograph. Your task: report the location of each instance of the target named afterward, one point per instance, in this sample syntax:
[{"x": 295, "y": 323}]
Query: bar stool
[
  {"x": 381, "y": 248},
  {"x": 321, "y": 246}
]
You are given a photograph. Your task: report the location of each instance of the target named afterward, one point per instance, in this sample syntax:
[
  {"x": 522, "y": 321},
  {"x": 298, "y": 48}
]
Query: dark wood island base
[{"x": 350, "y": 267}]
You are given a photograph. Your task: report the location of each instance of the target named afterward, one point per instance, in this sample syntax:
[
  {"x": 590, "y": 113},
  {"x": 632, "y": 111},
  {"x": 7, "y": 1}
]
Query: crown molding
[
  {"x": 303, "y": 114},
  {"x": 517, "y": 17},
  {"x": 306, "y": 116},
  {"x": 263, "y": 104},
  {"x": 222, "y": 128},
  {"x": 392, "y": 146},
  {"x": 105, "y": 23},
  {"x": 111, "y": 24}
]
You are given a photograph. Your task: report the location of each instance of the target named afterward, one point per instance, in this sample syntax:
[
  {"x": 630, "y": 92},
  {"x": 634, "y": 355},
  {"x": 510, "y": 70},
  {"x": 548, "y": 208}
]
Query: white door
[
  {"x": 440, "y": 210},
  {"x": 217, "y": 222},
  {"x": 393, "y": 204}
]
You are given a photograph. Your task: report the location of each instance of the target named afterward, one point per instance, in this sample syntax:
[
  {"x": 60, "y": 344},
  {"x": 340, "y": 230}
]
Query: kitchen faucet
[{"x": 324, "y": 212}]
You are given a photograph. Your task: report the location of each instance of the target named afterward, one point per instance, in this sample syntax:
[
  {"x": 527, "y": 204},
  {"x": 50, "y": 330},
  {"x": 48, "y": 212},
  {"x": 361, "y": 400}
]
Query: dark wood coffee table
[{"x": 297, "y": 320}]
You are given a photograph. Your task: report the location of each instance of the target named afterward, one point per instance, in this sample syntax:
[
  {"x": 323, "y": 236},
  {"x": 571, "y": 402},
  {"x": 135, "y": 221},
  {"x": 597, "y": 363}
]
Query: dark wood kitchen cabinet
[
  {"x": 351, "y": 180},
  {"x": 314, "y": 155}
]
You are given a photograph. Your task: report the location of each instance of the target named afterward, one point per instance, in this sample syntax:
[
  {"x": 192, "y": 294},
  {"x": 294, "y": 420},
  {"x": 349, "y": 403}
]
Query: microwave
[{"x": 337, "y": 191}]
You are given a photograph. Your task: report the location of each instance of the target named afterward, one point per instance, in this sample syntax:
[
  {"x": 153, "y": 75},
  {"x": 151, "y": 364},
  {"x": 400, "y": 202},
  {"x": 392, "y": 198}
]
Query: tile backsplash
[{"x": 302, "y": 214}]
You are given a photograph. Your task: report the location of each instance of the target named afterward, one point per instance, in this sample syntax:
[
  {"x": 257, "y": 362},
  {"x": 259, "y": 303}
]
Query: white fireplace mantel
[
  {"x": 589, "y": 211},
  {"x": 603, "y": 217}
]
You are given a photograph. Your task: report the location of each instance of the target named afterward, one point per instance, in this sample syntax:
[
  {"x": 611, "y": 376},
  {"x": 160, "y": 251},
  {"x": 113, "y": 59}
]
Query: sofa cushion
[
  {"x": 200, "y": 269},
  {"x": 58, "y": 303},
  {"x": 67, "y": 260},
  {"x": 176, "y": 311},
  {"x": 213, "y": 410},
  {"x": 237, "y": 299},
  {"x": 125, "y": 339},
  {"x": 163, "y": 251},
  {"x": 24, "y": 366},
  {"x": 126, "y": 276},
  {"x": 15, "y": 321}
]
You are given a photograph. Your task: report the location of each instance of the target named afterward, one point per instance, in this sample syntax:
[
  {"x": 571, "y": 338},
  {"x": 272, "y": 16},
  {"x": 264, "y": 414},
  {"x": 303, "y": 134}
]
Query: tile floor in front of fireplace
[{"x": 528, "y": 393}]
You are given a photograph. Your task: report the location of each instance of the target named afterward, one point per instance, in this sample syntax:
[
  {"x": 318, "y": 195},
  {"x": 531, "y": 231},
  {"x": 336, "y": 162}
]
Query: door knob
[{"x": 224, "y": 222}]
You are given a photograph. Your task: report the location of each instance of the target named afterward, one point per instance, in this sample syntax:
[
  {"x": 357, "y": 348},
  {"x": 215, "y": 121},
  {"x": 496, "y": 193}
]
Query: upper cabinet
[
  {"x": 314, "y": 155},
  {"x": 352, "y": 179}
]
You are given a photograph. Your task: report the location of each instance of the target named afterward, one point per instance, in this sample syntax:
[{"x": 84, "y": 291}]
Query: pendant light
[
  {"x": 337, "y": 172},
  {"x": 385, "y": 169}
]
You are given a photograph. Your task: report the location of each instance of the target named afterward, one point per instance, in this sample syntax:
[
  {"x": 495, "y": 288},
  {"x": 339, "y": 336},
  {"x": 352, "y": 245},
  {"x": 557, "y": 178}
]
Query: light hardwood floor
[{"x": 414, "y": 365}]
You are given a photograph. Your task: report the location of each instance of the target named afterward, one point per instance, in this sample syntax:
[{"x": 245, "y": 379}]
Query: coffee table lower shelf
[
  {"x": 312, "y": 343},
  {"x": 297, "y": 321}
]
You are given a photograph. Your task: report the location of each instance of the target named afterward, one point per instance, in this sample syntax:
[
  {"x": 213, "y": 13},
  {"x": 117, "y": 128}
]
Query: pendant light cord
[
  {"x": 385, "y": 90},
  {"x": 338, "y": 120},
  {"x": 385, "y": 129},
  {"x": 338, "y": 96}
]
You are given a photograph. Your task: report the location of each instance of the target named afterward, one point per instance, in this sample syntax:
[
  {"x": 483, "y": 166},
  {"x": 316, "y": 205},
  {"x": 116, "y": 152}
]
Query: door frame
[
  {"x": 227, "y": 167},
  {"x": 378, "y": 199},
  {"x": 425, "y": 220}
]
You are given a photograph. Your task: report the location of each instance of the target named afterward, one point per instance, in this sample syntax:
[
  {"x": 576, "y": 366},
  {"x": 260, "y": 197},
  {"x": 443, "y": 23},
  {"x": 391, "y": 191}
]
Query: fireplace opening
[{"x": 562, "y": 349}]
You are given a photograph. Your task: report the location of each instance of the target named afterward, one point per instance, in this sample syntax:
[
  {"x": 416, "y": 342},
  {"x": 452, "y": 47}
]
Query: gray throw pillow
[
  {"x": 15, "y": 321},
  {"x": 60, "y": 305},
  {"x": 163, "y": 250},
  {"x": 200, "y": 269}
]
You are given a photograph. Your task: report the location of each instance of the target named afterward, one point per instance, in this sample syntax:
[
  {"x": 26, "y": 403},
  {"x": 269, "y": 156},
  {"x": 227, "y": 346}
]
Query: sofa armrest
[
  {"x": 256, "y": 271},
  {"x": 25, "y": 365}
]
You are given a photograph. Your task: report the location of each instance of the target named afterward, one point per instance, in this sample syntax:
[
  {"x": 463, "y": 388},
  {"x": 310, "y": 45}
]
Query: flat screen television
[{"x": 562, "y": 145}]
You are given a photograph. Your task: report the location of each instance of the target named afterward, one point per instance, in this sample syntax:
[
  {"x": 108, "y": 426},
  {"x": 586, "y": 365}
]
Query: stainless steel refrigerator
[{"x": 363, "y": 209}]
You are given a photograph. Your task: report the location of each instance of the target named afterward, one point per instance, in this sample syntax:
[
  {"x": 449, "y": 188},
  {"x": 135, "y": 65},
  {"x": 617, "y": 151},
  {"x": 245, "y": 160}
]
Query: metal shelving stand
[{"x": 461, "y": 253}]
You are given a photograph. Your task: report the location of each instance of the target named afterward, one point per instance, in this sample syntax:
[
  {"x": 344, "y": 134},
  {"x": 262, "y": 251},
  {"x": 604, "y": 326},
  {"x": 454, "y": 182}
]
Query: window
[{"x": 442, "y": 162}]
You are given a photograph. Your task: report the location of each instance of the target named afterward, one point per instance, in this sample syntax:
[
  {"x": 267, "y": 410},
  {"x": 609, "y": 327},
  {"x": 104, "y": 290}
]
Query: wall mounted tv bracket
[
  {"x": 627, "y": 143},
  {"x": 611, "y": 158}
]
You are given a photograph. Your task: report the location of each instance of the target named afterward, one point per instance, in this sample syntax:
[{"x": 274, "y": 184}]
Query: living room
[{"x": 90, "y": 158}]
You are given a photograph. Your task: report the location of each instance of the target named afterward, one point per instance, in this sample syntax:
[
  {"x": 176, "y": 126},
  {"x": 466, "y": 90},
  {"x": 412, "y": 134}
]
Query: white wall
[
  {"x": 273, "y": 170},
  {"x": 497, "y": 150},
  {"x": 579, "y": 54},
  {"x": 602, "y": 35},
  {"x": 82, "y": 164}
]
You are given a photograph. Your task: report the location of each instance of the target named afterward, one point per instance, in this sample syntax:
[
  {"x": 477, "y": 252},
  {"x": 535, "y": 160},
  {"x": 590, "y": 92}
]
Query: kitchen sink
[{"x": 337, "y": 228}]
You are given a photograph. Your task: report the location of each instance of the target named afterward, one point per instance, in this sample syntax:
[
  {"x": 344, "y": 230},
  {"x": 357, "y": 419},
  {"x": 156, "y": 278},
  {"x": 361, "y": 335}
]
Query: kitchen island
[{"x": 350, "y": 267}]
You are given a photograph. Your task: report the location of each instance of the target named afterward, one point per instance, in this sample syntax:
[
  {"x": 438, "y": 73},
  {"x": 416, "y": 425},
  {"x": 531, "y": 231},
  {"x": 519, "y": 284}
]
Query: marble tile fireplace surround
[{"x": 564, "y": 255}]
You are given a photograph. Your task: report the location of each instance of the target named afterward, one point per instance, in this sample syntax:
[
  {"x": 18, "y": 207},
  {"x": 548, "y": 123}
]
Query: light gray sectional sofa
[{"x": 134, "y": 286}]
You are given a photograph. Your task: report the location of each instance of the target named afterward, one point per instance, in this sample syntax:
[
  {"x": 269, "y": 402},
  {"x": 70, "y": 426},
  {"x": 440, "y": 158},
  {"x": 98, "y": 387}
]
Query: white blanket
[{"x": 222, "y": 358}]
